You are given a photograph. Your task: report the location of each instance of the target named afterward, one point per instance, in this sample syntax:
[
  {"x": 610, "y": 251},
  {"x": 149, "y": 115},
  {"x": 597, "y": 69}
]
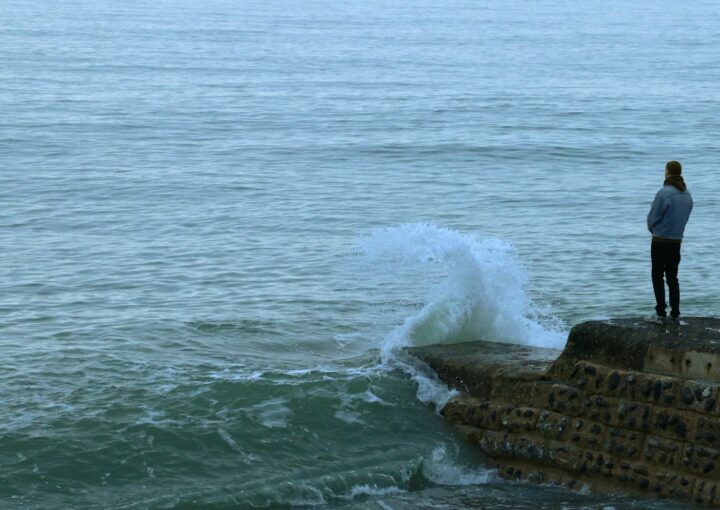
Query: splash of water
[
  {"x": 441, "y": 468},
  {"x": 482, "y": 295}
]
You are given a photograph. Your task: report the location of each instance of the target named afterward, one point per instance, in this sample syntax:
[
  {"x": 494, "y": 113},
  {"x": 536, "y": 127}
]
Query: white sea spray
[{"x": 483, "y": 294}]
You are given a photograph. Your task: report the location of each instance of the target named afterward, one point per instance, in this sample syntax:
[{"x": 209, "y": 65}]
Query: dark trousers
[{"x": 665, "y": 261}]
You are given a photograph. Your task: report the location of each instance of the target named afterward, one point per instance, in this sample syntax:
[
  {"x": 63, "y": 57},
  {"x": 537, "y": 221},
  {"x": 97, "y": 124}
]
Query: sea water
[{"x": 221, "y": 221}]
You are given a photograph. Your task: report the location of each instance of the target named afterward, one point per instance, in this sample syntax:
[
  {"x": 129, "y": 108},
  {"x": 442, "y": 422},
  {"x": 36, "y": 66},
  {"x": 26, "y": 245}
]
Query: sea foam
[{"x": 441, "y": 468}]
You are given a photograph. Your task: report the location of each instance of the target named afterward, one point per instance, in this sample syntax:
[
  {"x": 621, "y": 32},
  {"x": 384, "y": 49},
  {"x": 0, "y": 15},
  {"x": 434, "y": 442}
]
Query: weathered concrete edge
[{"x": 691, "y": 350}]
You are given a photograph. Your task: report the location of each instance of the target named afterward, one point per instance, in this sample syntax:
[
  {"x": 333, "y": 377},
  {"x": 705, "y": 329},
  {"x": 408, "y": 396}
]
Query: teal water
[{"x": 221, "y": 220}]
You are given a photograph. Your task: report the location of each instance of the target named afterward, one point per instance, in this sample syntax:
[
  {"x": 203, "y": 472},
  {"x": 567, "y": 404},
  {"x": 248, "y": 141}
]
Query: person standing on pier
[{"x": 666, "y": 222}]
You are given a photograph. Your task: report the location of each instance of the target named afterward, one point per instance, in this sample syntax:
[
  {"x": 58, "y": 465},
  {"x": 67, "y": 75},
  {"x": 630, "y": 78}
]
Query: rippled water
[{"x": 221, "y": 219}]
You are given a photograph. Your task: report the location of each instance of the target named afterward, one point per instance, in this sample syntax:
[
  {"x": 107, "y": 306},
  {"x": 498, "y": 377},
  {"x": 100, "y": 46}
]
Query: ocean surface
[{"x": 221, "y": 221}]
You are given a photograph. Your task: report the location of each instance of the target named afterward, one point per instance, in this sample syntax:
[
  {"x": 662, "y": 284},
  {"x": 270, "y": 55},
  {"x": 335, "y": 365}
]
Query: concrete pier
[{"x": 626, "y": 407}]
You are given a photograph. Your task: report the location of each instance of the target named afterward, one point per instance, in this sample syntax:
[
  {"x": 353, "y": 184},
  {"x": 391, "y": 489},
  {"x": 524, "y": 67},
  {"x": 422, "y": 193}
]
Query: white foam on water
[
  {"x": 311, "y": 496},
  {"x": 482, "y": 296},
  {"x": 348, "y": 411},
  {"x": 348, "y": 417},
  {"x": 369, "y": 397},
  {"x": 443, "y": 470},
  {"x": 368, "y": 490},
  {"x": 244, "y": 457},
  {"x": 300, "y": 376},
  {"x": 273, "y": 413}
]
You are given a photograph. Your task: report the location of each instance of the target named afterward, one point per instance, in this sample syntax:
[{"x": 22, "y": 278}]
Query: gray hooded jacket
[{"x": 669, "y": 212}]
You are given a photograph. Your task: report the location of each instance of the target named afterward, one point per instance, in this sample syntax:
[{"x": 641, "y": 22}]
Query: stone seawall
[{"x": 627, "y": 407}]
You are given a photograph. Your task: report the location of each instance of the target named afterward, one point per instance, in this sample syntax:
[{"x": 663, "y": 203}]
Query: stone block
[
  {"x": 487, "y": 415},
  {"x": 567, "y": 400},
  {"x": 563, "y": 456},
  {"x": 707, "y": 431},
  {"x": 553, "y": 425},
  {"x": 625, "y": 444},
  {"x": 497, "y": 444},
  {"x": 706, "y": 492},
  {"x": 634, "y": 416},
  {"x": 701, "y": 365},
  {"x": 588, "y": 377},
  {"x": 632, "y": 385},
  {"x": 662, "y": 358},
  {"x": 601, "y": 409},
  {"x": 667, "y": 483},
  {"x": 493, "y": 416},
  {"x": 654, "y": 389},
  {"x": 701, "y": 460},
  {"x": 598, "y": 464},
  {"x": 519, "y": 419},
  {"x": 530, "y": 449},
  {"x": 663, "y": 452},
  {"x": 634, "y": 474},
  {"x": 576, "y": 431},
  {"x": 671, "y": 424}
]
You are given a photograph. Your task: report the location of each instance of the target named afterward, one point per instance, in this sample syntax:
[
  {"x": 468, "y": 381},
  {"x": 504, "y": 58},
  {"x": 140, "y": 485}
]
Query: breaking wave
[{"x": 481, "y": 293}]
